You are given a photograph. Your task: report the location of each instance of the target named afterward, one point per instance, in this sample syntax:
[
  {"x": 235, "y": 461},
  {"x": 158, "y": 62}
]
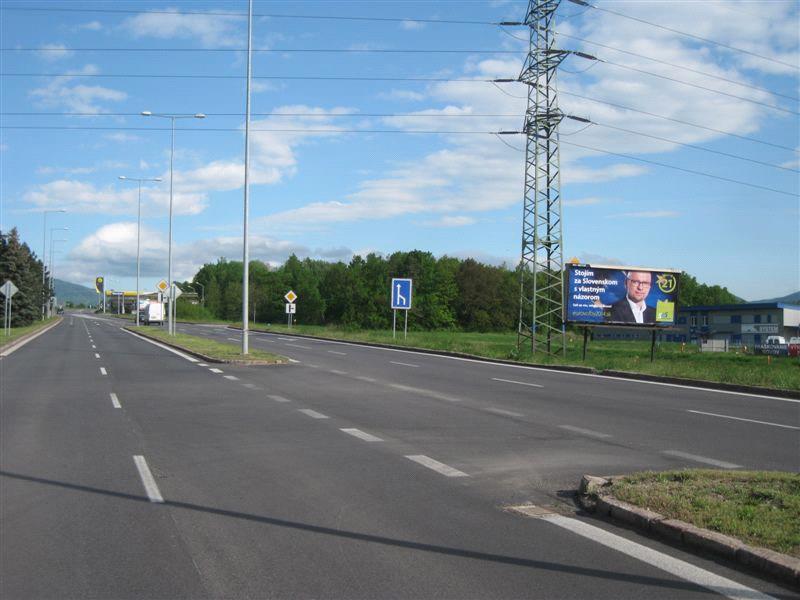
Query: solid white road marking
[
  {"x": 231, "y": 377},
  {"x": 234, "y": 340},
  {"x": 674, "y": 566},
  {"x": 115, "y": 401},
  {"x": 435, "y": 465},
  {"x": 96, "y": 355},
  {"x": 402, "y": 364},
  {"x": 167, "y": 348},
  {"x": 589, "y": 432},
  {"x": 286, "y": 339},
  {"x": 500, "y": 411},
  {"x": 517, "y": 382},
  {"x": 700, "y": 412},
  {"x": 213, "y": 370},
  {"x": 337, "y": 372},
  {"x": 278, "y": 398},
  {"x": 103, "y": 371},
  {"x": 299, "y": 346},
  {"x": 702, "y": 459},
  {"x": 291, "y": 360},
  {"x": 339, "y": 353},
  {"x": 423, "y": 392},
  {"x": 361, "y": 435},
  {"x": 147, "y": 479},
  {"x": 313, "y": 414}
]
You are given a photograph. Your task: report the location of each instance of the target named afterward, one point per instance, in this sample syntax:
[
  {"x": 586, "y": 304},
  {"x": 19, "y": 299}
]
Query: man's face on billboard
[{"x": 638, "y": 285}]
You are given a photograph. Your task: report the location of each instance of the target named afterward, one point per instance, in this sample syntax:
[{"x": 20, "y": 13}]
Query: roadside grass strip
[
  {"x": 213, "y": 349},
  {"x": 761, "y": 508}
]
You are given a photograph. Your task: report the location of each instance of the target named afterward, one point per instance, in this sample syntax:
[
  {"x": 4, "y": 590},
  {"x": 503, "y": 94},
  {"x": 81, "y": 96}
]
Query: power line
[
  {"x": 244, "y": 15},
  {"x": 689, "y": 35},
  {"x": 677, "y": 66},
  {"x": 275, "y": 50},
  {"x": 691, "y": 171}
]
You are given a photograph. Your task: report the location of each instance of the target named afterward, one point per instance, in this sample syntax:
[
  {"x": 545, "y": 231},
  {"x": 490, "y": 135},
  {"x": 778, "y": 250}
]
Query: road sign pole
[
  {"x": 8, "y": 312},
  {"x": 394, "y": 324},
  {"x": 405, "y": 328}
]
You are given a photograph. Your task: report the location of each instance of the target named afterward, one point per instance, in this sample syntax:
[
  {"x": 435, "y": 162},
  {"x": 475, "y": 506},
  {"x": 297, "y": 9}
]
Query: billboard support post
[
  {"x": 585, "y": 341},
  {"x": 653, "y": 347}
]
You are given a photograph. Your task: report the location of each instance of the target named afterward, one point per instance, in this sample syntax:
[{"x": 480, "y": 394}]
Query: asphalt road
[{"x": 129, "y": 471}]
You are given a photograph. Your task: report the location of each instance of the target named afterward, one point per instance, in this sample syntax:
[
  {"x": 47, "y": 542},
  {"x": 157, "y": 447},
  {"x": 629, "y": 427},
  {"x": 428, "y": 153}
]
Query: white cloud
[
  {"x": 410, "y": 25},
  {"x": 451, "y": 221},
  {"x": 60, "y": 92},
  {"x": 54, "y": 52},
  {"x": 211, "y": 30},
  {"x": 91, "y": 26}
]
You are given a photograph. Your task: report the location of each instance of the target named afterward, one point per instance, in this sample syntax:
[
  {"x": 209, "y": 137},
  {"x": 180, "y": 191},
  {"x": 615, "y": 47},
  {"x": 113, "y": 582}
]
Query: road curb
[
  {"x": 203, "y": 357},
  {"x": 594, "y": 494},
  {"x": 21, "y": 341},
  {"x": 711, "y": 385}
]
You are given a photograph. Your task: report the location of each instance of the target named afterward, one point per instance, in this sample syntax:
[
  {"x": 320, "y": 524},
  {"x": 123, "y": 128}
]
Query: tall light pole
[
  {"x": 44, "y": 251},
  {"x": 138, "y": 180},
  {"x": 147, "y": 113},
  {"x": 203, "y": 291},
  {"x": 246, "y": 247},
  {"x": 52, "y": 276}
]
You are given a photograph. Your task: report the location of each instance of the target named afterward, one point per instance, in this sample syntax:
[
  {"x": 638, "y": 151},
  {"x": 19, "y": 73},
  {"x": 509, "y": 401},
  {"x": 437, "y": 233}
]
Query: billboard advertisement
[{"x": 635, "y": 296}]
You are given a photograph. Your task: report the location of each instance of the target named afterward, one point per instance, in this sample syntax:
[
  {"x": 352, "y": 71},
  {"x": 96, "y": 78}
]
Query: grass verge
[
  {"x": 210, "y": 348},
  {"x": 672, "y": 360},
  {"x": 18, "y": 332},
  {"x": 761, "y": 508}
]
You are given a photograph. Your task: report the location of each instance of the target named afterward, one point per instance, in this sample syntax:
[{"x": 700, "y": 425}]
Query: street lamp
[
  {"x": 147, "y": 113},
  {"x": 52, "y": 273},
  {"x": 138, "y": 180},
  {"x": 202, "y": 291},
  {"x": 44, "y": 249}
]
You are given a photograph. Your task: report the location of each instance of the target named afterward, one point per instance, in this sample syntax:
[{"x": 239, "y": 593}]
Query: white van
[
  {"x": 153, "y": 312},
  {"x": 775, "y": 340}
]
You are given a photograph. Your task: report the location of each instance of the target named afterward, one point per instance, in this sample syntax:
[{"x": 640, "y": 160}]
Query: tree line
[
  {"x": 20, "y": 265},
  {"x": 449, "y": 293}
]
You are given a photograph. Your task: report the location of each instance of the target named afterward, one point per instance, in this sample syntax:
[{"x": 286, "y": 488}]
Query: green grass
[
  {"x": 671, "y": 361},
  {"x": 210, "y": 348},
  {"x": 18, "y": 332},
  {"x": 761, "y": 508}
]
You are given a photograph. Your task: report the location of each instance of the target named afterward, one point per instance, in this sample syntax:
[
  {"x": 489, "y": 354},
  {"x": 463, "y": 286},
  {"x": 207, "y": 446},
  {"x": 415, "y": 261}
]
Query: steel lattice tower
[{"x": 541, "y": 268}]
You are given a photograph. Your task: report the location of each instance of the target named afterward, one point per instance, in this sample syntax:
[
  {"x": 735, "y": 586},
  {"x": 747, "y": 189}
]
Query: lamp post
[
  {"x": 202, "y": 291},
  {"x": 147, "y": 113},
  {"x": 138, "y": 180},
  {"x": 52, "y": 275},
  {"x": 44, "y": 249}
]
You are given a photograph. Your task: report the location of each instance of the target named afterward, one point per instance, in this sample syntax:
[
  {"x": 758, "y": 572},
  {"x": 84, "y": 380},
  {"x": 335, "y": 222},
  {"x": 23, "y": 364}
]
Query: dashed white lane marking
[
  {"x": 115, "y": 400},
  {"x": 96, "y": 355},
  {"x": 94, "y": 347},
  {"x": 234, "y": 340},
  {"x": 313, "y": 414},
  {"x": 278, "y": 398},
  {"x": 500, "y": 411},
  {"x": 337, "y": 372},
  {"x": 299, "y": 346},
  {"x": 424, "y": 392},
  {"x": 103, "y": 371},
  {"x": 231, "y": 377},
  {"x": 202, "y": 364},
  {"x": 517, "y": 382},
  {"x": 674, "y": 566},
  {"x": 213, "y": 370},
  {"x": 251, "y": 386},
  {"x": 335, "y": 352},
  {"x": 367, "y": 379},
  {"x": 291, "y": 360},
  {"x": 435, "y": 465},
  {"x": 286, "y": 339},
  {"x": 402, "y": 364},
  {"x": 582, "y": 431},
  {"x": 702, "y": 459},
  {"x": 367, "y": 437},
  {"x": 700, "y": 412},
  {"x": 147, "y": 479}
]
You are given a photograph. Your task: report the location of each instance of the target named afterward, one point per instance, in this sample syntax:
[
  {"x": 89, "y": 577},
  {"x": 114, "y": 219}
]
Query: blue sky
[{"x": 338, "y": 172}]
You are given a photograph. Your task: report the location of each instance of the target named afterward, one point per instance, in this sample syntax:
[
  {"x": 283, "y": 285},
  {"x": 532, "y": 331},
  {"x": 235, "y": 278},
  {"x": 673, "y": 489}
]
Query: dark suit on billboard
[{"x": 621, "y": 312}]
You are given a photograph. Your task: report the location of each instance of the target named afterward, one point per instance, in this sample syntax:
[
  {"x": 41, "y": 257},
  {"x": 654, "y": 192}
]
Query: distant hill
[
  {"x": 793, "y": 298},
  {"x": 74, "y": 293}
]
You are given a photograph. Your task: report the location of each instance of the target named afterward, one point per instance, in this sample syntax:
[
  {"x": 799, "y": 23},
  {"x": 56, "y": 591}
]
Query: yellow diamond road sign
[
  {"x": 290, "y": 296},
  {"x": 162, "y": 286}
]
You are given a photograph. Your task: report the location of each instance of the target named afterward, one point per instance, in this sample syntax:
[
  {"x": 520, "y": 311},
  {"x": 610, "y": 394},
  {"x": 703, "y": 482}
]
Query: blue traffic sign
[{"x": 401, "y": 294}]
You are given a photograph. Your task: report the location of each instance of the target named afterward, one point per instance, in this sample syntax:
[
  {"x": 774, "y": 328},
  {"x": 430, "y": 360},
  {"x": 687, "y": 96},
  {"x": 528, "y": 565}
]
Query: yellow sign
[
  {"x": 162, "y": 286},
  {"x": 290, "y": 297},
  {"x": 665, "y": 311},
  {"x": 667, "y": 282}
]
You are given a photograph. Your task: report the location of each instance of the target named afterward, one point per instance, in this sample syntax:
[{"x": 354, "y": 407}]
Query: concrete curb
[
  {"x": 594, "y": 494},
  {"x": 18, "y": 343},
  {"x": 711, "y": 385},
  {"x": 203, "y": 357}
]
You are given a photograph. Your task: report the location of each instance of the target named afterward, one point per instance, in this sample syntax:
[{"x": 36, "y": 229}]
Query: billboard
[{"x": 635, "y": 296}]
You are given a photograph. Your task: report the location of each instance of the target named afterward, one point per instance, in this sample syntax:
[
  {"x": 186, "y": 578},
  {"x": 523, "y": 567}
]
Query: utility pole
[
  {"x": 246, "y": 217},
  {"x": 541, "y": 312}
]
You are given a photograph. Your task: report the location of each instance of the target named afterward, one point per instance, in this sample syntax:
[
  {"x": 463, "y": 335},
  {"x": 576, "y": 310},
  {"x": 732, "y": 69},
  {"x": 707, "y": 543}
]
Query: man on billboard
[{"x": 632, "y": 308}]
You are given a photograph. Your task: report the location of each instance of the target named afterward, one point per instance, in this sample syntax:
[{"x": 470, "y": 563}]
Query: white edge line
[
  {"x": 231, "y": 377},
  {"x": 115, "y": 400},
  {"x": 20, "y": 344},
  {"x": 148, "y": 481},
  {"x": 664, "y": 562},
  {"x": 517, "y": 382},
  {"x": 435, "y": 465},
  {"x": 394, "y": 362},
  {"x": 701, "y": 459},
  {"x": 552, "y": 371},
  {"x": 500, "y": 411},
  {"x": 589, "y": 432},
  {"x": 167, "y": 348},
  {"x": 700, "y": 412}
]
